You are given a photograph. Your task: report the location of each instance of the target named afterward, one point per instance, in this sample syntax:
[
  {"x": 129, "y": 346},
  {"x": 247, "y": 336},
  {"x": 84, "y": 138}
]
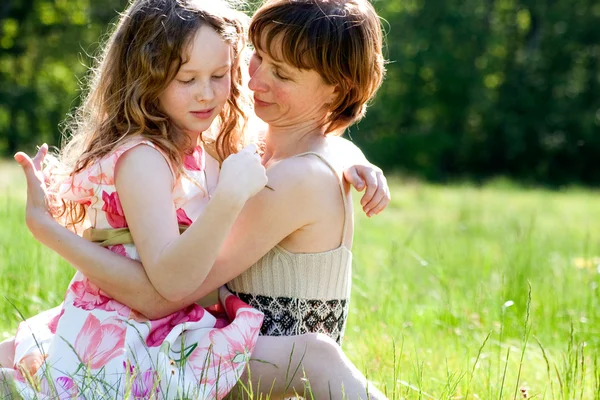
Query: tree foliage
[{"x": 473, "y": 89}]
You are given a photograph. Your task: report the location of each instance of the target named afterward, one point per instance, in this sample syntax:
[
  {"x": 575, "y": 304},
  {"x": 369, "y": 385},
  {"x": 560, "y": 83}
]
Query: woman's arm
[
  {"x": 266, "y": 219},
  {"x": 270, "y": 217}
]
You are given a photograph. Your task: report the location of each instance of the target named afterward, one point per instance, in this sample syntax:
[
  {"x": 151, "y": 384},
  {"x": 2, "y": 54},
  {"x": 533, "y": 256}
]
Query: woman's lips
[{"x": 261, "y": 103}]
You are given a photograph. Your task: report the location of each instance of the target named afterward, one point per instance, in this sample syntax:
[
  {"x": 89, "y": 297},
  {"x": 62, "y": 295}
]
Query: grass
[{"x": 459, "y": 291}]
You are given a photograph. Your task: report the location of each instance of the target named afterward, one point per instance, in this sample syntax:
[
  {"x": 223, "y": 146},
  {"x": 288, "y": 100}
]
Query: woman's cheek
[{"x": 253, "y": 66}]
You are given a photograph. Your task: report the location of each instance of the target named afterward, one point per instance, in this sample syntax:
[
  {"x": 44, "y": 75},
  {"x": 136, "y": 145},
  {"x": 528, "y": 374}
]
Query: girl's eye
[
  {"x": 219, "y": 76},
  {"x": 186, "y": 82}
]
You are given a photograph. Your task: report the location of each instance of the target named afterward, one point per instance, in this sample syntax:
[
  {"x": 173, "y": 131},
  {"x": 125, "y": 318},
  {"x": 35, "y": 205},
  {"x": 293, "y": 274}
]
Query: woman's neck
[{"x": 285, "y": 142}]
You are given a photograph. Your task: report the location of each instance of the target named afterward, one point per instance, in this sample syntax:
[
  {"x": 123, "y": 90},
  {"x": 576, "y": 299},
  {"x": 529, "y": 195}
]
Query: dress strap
[{"x": 341, "y": 183}]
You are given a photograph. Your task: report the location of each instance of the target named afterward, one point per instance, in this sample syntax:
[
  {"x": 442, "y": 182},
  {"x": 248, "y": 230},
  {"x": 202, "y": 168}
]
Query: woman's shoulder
[{"x": 304, "y": 175}]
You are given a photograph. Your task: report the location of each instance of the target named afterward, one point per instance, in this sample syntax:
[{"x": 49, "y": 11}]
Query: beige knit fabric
[{"x": 316, "y": 276}]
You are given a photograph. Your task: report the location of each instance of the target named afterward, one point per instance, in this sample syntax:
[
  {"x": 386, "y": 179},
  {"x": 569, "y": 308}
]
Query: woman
[{"x": 317, "y": 64}]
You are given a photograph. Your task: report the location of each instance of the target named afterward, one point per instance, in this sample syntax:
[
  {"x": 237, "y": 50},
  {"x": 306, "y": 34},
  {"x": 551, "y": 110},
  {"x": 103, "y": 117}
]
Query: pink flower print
[
  {"x": 160, "y": 328},
  {"x": 229, "y": 348},
  {"x": 80, "y": 193},
  {"x": 98, "y": 343},
  {"x": 90, "y": 297},
  {"x": 195, "y": 161},
  {"x": 144, "y": 385},
  {"x": 233, "y": 305},
  {"x": 54, "y": 321},
  {"x": 66, "y": 388},
  {"x": 182, "y": 217},
  {"x": 252, "y": 318},
  {"x": 119, "y": 249},
  {"x": 114, "y": 211},
  {"x": 30, "y": 363},
  {"x": 19, "y": 377},
  {"x": 218, "y": 311},
  {"x": 102, "y": 179}
]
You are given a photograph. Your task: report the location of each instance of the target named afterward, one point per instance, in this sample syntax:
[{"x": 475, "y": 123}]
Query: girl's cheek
[{"x": 225, "y": 87}]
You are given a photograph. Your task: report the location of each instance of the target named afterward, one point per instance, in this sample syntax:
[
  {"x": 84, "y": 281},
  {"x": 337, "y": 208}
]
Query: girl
[{"x": 169, "y": 69}]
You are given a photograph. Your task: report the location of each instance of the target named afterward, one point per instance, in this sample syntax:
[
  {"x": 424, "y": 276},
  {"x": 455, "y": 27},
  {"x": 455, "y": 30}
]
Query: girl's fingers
[{"x": 39, "y": 157}]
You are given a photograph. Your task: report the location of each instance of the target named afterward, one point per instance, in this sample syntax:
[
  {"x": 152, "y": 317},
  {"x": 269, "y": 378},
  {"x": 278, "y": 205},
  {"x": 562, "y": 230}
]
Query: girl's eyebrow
[{"x": 189, "y": 69}]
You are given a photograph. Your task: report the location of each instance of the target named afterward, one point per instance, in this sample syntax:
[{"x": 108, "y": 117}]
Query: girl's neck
[
  {"x": 194, "y": 141},
  {"x": 285, "y": 142}
]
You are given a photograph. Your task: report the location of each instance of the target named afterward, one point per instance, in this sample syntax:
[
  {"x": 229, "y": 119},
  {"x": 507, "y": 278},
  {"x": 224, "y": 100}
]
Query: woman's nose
[{"x": 256, "y": 84}]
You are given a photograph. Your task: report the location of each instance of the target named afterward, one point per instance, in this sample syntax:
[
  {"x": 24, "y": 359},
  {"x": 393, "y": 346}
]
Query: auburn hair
[
  {"x": 340, "y": 39},
  {"x": 139, "y": 60}
]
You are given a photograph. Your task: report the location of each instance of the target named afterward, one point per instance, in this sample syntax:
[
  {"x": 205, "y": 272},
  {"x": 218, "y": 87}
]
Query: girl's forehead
[{"x": 206, "y": 49}]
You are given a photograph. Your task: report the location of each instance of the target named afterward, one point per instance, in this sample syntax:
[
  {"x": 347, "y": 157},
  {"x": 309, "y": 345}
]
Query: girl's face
[
  {"x": 284, "y": 95},
  {"x": 202, "y": 85}
]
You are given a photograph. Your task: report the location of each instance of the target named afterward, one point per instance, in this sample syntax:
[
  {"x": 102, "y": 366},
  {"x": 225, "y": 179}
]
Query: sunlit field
[{"x": 459, "y": 292}]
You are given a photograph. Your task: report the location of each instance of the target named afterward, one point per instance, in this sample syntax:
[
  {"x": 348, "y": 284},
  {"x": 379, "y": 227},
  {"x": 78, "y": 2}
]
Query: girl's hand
[
  {"x": 242, "y": 174},
  {"x": 377, "y": 196},
  {"x": 37, "y": 209}
]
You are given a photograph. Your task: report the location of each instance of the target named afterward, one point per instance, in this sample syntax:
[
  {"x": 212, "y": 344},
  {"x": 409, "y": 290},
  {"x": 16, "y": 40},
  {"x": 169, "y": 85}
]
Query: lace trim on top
[{"x": 288, "y": 316}]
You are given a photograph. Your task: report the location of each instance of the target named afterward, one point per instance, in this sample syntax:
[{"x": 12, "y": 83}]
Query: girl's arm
[
  {"x": 175, "y": 263},
  {"x": 266, "y": 219},
  {"x": 361, "y": 174}
]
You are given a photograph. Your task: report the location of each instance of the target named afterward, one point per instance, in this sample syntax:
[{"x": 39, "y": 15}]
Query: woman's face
[{"x": 286, "y": 96}]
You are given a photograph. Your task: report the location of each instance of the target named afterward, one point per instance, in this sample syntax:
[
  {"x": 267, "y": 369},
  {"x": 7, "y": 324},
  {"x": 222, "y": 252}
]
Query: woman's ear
[{"x": 334, "y": 95}]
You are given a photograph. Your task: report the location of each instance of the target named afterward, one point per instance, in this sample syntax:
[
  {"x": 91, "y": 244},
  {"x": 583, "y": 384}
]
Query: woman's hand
[
  {"x": 377, "y": 196},
  {"x": 37, "y": 209}
]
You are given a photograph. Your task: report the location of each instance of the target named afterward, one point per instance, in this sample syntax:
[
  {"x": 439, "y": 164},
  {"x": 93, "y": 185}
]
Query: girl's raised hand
[
  {"x": 242, "y": 174},
  {"x": 377, "y": 194},
  {"x": 37, "y": 208}
]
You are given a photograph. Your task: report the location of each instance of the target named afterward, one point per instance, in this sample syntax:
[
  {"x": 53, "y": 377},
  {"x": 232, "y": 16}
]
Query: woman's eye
[
  {"x": 186, "y": 82},
  {"x": 278, "y": 75},
  {"x": 219, "y": 76}
]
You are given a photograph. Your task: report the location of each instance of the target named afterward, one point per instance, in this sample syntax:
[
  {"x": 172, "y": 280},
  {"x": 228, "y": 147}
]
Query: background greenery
[
  {"x": 459, "y": 292},
  {"x": 475, "y": 88}
]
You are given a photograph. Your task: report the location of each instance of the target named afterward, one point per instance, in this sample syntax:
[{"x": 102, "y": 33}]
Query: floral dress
[{"x": 94, "y": 347}]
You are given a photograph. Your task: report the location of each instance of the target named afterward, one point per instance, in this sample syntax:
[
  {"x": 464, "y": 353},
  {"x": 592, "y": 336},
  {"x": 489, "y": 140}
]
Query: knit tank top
[{"x": 301, "y": 292}]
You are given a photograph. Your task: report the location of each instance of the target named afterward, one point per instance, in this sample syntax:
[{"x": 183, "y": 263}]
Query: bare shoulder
[
  {"x": 142, "y": 160},
  {"x": 303, "y": 176}
]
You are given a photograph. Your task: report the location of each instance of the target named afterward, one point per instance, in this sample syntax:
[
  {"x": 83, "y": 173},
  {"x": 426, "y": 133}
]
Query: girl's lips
[{"x": 203, "y": 114}]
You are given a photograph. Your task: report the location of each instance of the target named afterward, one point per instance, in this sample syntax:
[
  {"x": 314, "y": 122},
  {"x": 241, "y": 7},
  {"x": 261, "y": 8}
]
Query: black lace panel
[{"x": 288, "y": 316}]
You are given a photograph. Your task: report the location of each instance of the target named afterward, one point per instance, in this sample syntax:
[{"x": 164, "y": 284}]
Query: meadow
[{"x": 459, "y": 292}]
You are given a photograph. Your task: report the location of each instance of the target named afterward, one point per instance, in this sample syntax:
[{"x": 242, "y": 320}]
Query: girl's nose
[{"x": 205, "y": 92}]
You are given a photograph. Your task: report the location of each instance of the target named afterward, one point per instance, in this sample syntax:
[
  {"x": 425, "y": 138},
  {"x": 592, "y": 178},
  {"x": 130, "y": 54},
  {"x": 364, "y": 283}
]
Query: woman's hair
[
  {"x": 340, "y": 39},
  {"x": 141, "y": 57}
]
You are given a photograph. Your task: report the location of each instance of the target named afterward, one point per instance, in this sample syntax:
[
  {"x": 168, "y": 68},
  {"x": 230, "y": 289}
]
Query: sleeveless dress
[
  {"x": 301, "y": 292},
  {"x": 95, "y": 347}
]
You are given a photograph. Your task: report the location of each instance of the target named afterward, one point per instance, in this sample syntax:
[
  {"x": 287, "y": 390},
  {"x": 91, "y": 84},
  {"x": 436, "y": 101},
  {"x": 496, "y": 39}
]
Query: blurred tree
[
  {"x": 478, "y": 89},
  {"x": 475, "y": 88},
  {"x": 45, "y": 48}
]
